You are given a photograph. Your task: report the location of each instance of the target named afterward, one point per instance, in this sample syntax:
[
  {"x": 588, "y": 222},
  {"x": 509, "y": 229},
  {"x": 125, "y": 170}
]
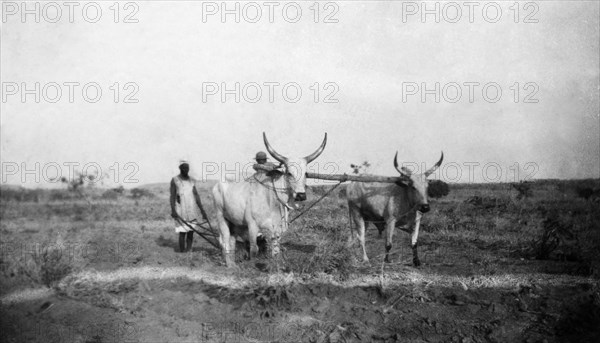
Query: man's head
[
  {"x": 184, "y": 168},
  {"x": 261, "y": 157}
]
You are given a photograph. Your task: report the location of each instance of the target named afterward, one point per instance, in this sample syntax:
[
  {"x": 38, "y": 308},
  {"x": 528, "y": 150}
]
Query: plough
[{"x": 209, "y": 234}]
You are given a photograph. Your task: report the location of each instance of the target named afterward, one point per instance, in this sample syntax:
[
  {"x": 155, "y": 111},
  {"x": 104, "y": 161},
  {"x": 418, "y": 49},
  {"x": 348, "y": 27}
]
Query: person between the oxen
[
  {"x": 261, "y": 158},
  {"x": 186, "y": 206}
]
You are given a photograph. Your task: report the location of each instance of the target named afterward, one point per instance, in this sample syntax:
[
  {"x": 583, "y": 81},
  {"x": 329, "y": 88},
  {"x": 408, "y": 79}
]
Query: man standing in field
[{"x": 186, "y": 206}]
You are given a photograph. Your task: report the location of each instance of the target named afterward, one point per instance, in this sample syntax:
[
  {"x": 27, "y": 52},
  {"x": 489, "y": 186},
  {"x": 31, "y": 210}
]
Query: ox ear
[{"x": 402, "y": 183}]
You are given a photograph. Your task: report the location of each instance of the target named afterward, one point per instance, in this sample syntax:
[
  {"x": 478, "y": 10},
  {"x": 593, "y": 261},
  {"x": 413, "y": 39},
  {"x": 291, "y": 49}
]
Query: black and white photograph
[{"x": 225, "y": 171}]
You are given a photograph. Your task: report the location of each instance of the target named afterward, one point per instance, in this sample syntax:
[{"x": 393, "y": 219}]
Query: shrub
[
  {"x": 52, "y": 266},
  {"x": 138, "y": 193},
  {"x": 556, "y": 231},
  {"x": 584, "y": 192},
  {"x": 360, "y": 168},
  {"x": 111, "y": 194},
  {"x": 524, "y": 189},
  {"x": 21, "y": 194},
  {"x": 42, "y": 264},
  {"x": 437, "y": 189},
  {"x": 119, "y": 190},
  {"x": 62, "y": 194},
  {"x": 331, "y": 256}
]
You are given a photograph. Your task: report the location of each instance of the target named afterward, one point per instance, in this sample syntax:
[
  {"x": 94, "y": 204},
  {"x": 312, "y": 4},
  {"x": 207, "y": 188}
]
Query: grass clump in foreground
[
  {"x": 41, "y": 265},
  {"x": 330, "y": 253}
]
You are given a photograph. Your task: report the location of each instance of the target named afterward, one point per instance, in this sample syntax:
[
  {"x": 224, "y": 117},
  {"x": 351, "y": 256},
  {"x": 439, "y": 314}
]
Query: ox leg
[
  {"x": 390, "y": 225},
  {"x": 360, "y": 227},
  {"x": 361, "y": 238},
  {"x": 358, "y": 223},
  {"x": 352, "y": 221},
  {"x": 225, "y": 240},
  {"x": 252, "y": 236},
  {"x": 413, "y": 240},
  {"x": 231, "y": 255}
]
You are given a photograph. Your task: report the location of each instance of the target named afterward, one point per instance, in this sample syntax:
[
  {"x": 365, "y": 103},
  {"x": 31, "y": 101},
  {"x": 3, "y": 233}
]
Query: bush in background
[
  {"x": 524, "y": 189},
  {"x": 587, "y": 192},
  {"x": 138, "y": 193},
  {"x": 437, "y": 189},
  {"x": 113, "y": 193}
]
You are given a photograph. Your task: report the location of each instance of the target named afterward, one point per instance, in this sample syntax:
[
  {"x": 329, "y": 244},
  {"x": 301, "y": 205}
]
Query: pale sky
[{"x": 371, "y": 55}]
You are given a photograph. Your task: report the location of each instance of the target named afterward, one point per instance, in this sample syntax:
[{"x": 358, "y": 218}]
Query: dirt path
[{"x": 215, "y": 305}]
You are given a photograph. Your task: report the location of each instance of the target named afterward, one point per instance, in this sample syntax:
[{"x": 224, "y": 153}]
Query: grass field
[{"x": 496, "y": 268}]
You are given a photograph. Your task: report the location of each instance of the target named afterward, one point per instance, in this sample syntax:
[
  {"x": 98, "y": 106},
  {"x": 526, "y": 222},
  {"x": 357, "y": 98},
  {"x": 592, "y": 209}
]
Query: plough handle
[{"x": 214, "y": 244}]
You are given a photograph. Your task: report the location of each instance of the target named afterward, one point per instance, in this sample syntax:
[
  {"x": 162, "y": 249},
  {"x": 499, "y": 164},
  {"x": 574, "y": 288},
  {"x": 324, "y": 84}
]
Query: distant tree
[
  {"x": 437, "y": 189},
  {"x": 77, "y": 182},
  {"x": 360, "y": 168},
  {"x": 119, "y": 190}
]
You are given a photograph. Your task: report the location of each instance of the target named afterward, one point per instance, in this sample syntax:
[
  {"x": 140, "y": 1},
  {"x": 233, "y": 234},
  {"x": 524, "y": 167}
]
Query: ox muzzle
[
  {"x": 300, "y": 196},
  {"x": 424, "y": 208}
]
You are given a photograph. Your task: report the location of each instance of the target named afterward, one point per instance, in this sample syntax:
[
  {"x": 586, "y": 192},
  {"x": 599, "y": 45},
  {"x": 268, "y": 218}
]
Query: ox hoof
[
  {"x": 230, "y": 262},
  {"x": 253, "y": 253},
  {"x": 233, "y": 266},
  {"x": 416, "y": 262}
]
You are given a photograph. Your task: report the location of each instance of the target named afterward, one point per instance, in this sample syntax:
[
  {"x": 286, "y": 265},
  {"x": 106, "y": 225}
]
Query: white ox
[
  {"x": 389, "y": 206},
  {"x": 260, "y": 203}
]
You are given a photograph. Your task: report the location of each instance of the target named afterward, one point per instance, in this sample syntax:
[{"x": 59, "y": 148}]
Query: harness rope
[
  {"x": 273, "y": 188},
  {"x": 314, "y": 203},
  {"x": 283, "y": 207},
  {"x": 276, "y": 189}
]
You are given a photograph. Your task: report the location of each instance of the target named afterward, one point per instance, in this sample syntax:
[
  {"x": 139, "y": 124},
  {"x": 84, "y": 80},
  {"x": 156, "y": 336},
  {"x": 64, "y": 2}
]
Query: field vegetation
[{"x": 501, "y": 263}]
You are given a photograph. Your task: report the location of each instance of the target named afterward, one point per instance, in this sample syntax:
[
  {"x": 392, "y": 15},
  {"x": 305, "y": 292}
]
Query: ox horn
[
  {"x": 403, "y": 174},
  {"x": 436, "y": 166},
  {"x": 318, "y": 152},
  {"x": 272, "y": 151}
]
